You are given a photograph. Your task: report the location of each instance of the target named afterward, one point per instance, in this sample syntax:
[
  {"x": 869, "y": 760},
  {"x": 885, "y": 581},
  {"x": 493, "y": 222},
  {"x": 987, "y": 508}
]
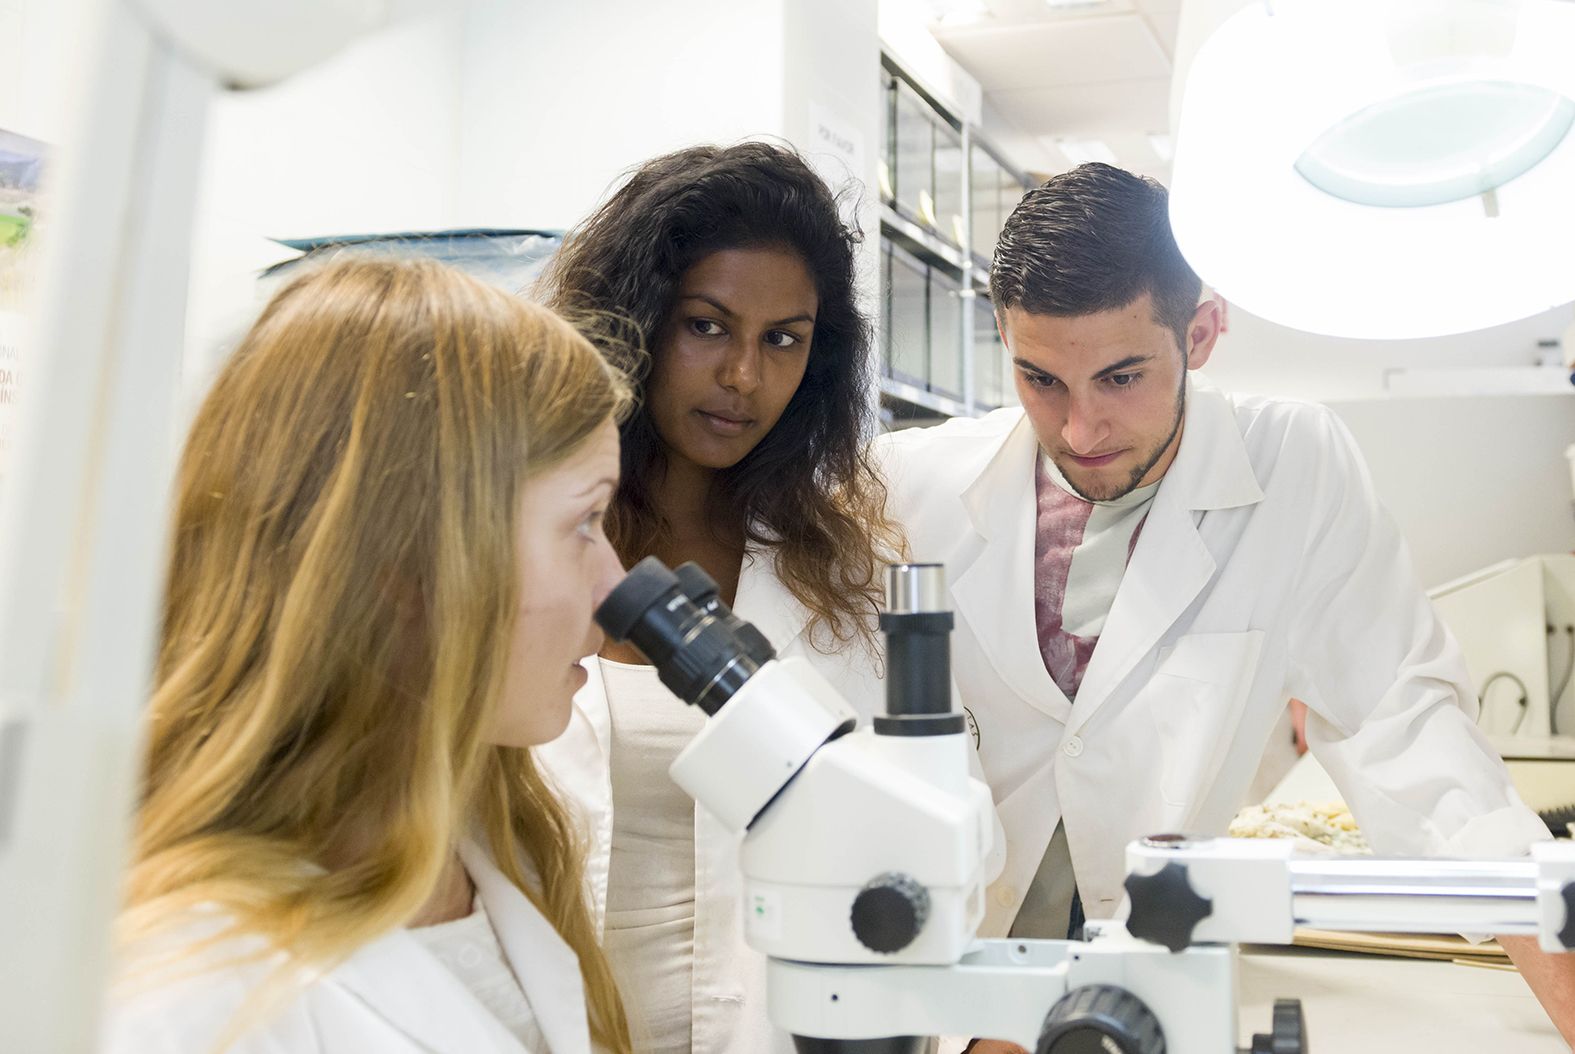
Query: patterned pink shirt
[{"x": 1081, "y": 550}]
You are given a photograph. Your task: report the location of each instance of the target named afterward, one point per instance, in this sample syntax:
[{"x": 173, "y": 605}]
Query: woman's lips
[{"x": 727, "y": 427}]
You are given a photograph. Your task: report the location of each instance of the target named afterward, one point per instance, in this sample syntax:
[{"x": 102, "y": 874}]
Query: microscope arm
[{"x": 1221, "y": 890}]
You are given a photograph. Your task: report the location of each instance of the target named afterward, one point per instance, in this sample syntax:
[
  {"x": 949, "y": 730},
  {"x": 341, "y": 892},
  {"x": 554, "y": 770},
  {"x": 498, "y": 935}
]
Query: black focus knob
[
  {"x": 1165, "y": 907},
  {"x": 1101, "y": 1019},
  {"x": 1288, "y": 1034},
  {"x": 1567, "y": 934},
  {"x": 889, "y": 912}
]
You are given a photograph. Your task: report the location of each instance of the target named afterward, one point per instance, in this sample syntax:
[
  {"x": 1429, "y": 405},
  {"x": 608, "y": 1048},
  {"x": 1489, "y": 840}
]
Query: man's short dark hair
[{"x": 1094, "y": 239}]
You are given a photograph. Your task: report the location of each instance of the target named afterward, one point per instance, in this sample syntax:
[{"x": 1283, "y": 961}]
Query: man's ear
[{"x": 1203, "y": 332}]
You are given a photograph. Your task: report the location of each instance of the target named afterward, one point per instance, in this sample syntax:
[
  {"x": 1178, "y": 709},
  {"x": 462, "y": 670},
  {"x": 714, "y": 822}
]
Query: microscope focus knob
[
  {"x": 889, "y": 912},
  {"x": 1288, "y": 1034},
  {"x": 1165, "y": 907},
  {"x": 1101, "y": 1019},
  {"x": 1567, "y": 934}
]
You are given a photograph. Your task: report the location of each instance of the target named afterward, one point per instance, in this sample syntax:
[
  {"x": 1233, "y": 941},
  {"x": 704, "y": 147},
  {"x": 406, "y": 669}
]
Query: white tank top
[{"x": 650, "y": 927}]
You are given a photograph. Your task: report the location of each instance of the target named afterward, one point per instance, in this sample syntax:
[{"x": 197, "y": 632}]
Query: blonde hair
[{"x": 340, "y": 604}]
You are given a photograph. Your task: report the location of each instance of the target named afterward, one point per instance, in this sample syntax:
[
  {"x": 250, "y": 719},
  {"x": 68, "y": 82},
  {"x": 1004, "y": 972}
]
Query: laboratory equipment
[{"x": 865, "y": 853}]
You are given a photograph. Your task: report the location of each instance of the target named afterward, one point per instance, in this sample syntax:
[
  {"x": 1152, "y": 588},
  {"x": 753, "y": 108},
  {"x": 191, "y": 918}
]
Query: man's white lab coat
[{"x": 1266, "y": 569}]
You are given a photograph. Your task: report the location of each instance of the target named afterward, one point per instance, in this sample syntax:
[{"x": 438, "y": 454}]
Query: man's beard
[{"x": 1135, "y": 480}]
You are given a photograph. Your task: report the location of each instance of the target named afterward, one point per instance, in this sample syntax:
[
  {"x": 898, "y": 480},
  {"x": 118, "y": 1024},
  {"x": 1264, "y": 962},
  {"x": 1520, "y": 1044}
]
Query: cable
[
  {"x": 1564, "y": 682},
  {"x": 1524, "y": 701}
]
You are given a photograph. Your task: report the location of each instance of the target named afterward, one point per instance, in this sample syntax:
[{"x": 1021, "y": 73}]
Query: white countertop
[{"x": 1355, "y": 1004}]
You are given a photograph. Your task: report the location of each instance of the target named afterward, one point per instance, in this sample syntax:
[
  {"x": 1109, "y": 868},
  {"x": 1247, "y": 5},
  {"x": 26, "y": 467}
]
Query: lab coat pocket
[{"x": 1196, "y": 698}]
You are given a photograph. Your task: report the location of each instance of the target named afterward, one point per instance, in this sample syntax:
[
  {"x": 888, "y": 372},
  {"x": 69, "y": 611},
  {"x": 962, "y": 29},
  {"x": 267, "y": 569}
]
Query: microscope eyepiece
[
  {"x": 918, "y": 625},
  {"x": 702, "y": 652},
  {"x": 916, "y": 589},
  {"x": 699, "y": 587},
  {"x": 647, "y": 584},
  {"x": 703, "y": 593}
]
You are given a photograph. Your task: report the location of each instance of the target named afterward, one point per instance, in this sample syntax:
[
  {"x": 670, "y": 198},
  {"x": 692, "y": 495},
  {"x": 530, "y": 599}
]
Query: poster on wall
[{"x": 21, "y": 164}]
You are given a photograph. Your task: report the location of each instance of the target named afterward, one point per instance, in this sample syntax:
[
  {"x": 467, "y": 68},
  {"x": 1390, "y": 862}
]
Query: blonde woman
[{"x": 387, "y": 547}]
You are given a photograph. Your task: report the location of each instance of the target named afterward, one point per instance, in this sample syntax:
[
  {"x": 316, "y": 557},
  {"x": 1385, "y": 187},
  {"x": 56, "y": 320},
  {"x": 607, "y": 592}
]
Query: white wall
[
  {"x": 1259, "y": 356},
  {"x": 831, "y": 88},
  {"x": 40, "y": 45},
  {"x": 366, "y": 142},
  {"x": 831, "y": 111},
  {"x": 490, "y": 113},
  {"x": 559, "y": 100},
  {"x": 1471, "y": 481}
]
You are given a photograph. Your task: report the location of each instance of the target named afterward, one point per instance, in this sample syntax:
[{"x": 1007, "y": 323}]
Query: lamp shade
[{"x": 1381, "y": 168}]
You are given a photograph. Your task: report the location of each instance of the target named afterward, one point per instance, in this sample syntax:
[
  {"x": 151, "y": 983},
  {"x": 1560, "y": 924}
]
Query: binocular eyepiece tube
[{"x": 702, "y": 652}]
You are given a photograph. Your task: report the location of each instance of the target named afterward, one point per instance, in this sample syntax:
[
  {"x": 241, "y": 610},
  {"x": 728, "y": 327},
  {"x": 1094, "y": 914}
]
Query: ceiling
[{"x": 1096, "y": 71}]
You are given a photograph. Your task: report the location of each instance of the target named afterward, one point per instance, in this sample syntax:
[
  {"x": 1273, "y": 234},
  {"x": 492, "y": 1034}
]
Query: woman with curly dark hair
[{"x": 731, "y": 276}]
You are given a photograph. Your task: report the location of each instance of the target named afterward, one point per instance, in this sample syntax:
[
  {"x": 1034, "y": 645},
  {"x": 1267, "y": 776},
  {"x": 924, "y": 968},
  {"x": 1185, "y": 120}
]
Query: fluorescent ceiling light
[
  {"x": 1382, "y": 168},
  {"x": 1063, "y": 5},
  {"x": 1160, "y": 143},
  {"x": 1082, "y": 151}
]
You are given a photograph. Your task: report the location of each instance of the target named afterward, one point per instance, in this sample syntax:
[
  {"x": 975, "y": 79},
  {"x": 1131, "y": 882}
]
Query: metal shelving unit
[
  {"x": 896, "y": 227},
  {"x": 944, "y": 195}
]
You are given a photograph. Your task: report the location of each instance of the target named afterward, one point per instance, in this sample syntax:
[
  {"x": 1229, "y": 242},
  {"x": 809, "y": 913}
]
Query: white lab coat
[
  {"x": 1266, "y": 569},
  {"x": 390, "y": 996},
  {"x": 729, "y": 1005}
]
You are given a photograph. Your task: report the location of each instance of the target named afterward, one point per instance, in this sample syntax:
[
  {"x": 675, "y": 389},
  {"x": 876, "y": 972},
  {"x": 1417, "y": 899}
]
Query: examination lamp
[{"x": 1378, "y": 168}]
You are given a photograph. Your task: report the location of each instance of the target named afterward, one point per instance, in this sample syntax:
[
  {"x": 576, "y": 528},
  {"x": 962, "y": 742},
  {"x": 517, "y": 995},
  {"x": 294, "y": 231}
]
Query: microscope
[{"x": 865, "y": 854}]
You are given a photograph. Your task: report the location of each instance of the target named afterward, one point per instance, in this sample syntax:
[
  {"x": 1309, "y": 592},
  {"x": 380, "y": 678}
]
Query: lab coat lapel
[
  {"x": 590, "y": 702},
  {"x": 1169, "y": 567},
  {"x": 993, "y": 588},
  {"x": 547, "y": 968},
  {"x": 402, "y": 983},
  {"x": 765, "y": 601},
  {"x": 1171, "y": 563},
  {"x": 577, "y": 764}
]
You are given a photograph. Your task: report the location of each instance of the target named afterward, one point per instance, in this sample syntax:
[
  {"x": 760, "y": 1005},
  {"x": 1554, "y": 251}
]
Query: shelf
[
  {"x": 919, "y": 241},
  {"x": 931, "y": 98},
  {"x": 921, "y": 399}
]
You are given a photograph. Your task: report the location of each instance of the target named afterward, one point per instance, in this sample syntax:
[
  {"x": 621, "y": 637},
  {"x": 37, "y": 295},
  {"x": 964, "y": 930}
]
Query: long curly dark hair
[{"x": 807, "y": 493}]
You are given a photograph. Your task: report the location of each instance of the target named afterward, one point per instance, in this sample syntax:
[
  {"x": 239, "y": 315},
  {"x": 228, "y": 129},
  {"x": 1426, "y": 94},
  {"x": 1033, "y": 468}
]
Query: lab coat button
[
  {"x": 1005, "y": 896},
  {"x": 1073, "y": 747}
]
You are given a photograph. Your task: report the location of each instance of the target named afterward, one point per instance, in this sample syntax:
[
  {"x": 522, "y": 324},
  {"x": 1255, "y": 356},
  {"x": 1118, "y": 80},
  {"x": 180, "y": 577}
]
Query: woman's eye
[
  {"x": 778, "y": 338},
  {"x": 591, "y": 526},
  {"x": 705, "y": 327}
]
